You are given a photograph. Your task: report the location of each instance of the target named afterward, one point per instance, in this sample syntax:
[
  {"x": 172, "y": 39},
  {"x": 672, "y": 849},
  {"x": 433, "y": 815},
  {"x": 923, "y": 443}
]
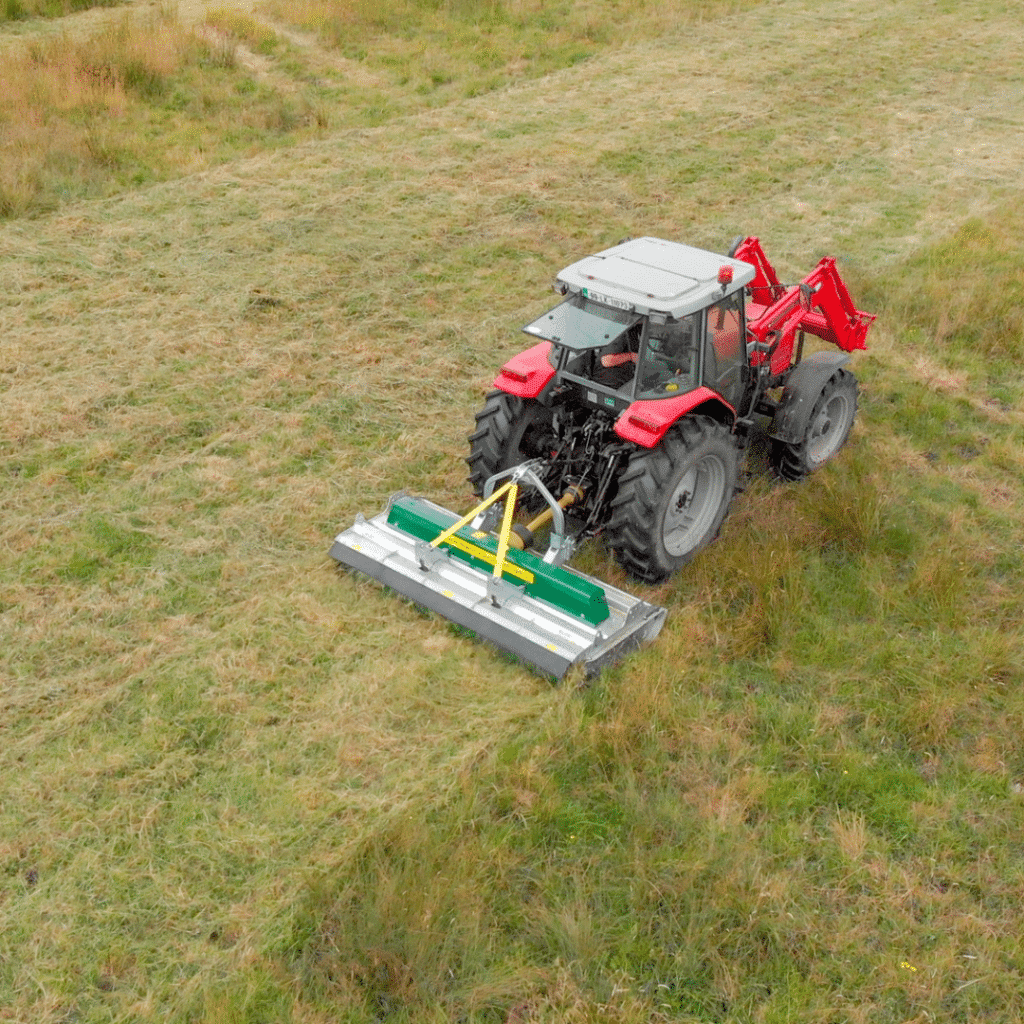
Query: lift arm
[{"x": 820, "y": 305}]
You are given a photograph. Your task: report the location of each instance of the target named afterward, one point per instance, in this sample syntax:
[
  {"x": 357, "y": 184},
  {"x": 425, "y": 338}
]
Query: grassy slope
[
  {"x": 109, "y": 99},
  {"x": 238, "y": 788}
]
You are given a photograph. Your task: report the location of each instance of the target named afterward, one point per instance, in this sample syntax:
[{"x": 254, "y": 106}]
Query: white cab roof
[{"x": 651, "y": 275}]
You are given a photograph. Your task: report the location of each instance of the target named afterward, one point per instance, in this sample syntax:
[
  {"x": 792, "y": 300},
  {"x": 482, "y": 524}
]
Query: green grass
[
  {"x": 20, "y": 10},
  {"x": 138, "y": 102},
  {"x": 134, "y": 103},
  {"x": 237, "y": 786}
]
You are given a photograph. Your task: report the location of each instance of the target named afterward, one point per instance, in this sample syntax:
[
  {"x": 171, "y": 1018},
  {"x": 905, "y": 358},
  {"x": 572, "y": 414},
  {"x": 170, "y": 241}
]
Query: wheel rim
[
  {"x": 830, "y": 427},
  {"x": 694, "y": 506}
]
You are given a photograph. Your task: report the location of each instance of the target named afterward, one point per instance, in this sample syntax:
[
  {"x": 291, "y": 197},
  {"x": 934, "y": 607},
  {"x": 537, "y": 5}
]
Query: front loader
[{"x": 628, "y": 419}]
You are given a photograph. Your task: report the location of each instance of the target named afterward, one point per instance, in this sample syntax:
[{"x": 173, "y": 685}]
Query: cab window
[{"x": 671, "y": 357}]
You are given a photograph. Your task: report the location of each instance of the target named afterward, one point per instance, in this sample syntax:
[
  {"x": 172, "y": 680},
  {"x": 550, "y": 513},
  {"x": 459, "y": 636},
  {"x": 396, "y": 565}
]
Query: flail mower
[{"x": 628, "y": 419}]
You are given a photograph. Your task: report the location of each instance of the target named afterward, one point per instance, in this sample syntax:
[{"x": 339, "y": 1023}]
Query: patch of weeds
[
  {"x": 143, "y": 79},
  {"x": 220, "y": 54},
  {"x": 257, "y": 35},
  {"x": 107, "y": 547},
  {"x": 940, "y": 590},
  {"x": 848, "y": 503},
  {"x": 400, "y": 938}
]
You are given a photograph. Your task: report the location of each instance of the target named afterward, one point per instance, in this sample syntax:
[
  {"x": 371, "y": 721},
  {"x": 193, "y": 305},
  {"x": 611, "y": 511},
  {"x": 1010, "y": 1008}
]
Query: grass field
[{"x": 236, "y": 787}]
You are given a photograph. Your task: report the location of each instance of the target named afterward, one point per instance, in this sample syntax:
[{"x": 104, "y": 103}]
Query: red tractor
[
  {"x": 642, "y": 391},
  {"x": 627, "y": 418}
]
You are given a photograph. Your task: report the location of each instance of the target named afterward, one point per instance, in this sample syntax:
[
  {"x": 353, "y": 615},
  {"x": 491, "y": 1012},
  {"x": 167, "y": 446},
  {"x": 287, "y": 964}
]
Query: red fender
[
  {"x": 646, "y": 422},
  {"x": 527, "y": 374}
]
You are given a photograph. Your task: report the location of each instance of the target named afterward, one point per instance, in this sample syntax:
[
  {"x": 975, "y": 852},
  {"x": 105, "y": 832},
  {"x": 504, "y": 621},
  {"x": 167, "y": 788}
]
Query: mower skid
[{"x": 495, "y": 608}]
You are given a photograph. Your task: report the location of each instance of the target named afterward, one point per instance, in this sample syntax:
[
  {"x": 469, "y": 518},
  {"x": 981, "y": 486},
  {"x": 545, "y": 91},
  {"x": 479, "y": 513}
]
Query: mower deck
[{"x": 549, "y": 616}]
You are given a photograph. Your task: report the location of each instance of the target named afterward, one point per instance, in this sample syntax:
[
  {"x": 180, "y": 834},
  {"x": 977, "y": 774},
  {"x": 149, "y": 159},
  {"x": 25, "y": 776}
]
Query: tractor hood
[{"x": 650, "y": 275}]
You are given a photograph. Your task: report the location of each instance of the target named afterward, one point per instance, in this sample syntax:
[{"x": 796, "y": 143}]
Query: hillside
[{"x": 236, "y": 786}]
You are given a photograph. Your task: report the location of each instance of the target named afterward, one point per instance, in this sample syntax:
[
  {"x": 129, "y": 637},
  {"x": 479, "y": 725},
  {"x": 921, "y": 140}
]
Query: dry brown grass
[{"x": 59, "y": 93}]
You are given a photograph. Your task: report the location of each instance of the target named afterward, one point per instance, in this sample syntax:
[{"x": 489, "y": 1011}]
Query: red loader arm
[
  {"x": 765, "y": 288},
  {"x": 820, "y": 305}
]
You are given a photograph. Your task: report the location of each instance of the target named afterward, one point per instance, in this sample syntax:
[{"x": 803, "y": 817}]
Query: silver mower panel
[{"x": 533, "y": 630}]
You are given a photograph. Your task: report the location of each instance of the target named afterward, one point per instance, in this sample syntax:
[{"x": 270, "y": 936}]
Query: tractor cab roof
[{"x": 651, "y": 275}]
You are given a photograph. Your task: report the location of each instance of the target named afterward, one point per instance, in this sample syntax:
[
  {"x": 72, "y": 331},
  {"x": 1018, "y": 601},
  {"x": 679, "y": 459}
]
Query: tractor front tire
[
  {"x": 509, "y": 430},
  {"x": 826, "y": 432},
  {"x": 672, "y": 499}
]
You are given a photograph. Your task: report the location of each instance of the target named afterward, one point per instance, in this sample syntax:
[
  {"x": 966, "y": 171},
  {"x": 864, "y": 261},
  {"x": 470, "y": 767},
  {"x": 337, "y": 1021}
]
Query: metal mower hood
[{"x": 548, "y": 616}]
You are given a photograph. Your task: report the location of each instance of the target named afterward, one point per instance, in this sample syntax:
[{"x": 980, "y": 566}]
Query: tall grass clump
[
  {"x": 64, "y": 105},
  {"x": 660, "y": 854},
  {"x": 257, "y": 35},
  {"x": 20, "y": 10},
  {"x": 967, "y": 290},
  {"x": 137, "y": 102}
]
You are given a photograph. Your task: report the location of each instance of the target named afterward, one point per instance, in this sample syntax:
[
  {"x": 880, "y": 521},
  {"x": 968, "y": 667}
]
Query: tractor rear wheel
[
  {"x": 509, "y": 430},
  {"x": 672, "y": 499},
  {"x": 827, "y": 430}
]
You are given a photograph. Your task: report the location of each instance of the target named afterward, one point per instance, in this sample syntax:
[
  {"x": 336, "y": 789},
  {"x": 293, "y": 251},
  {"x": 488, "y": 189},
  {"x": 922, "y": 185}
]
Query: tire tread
[
  {"x": 632, "y": 527},
  {"x": 790, "y": 461}
]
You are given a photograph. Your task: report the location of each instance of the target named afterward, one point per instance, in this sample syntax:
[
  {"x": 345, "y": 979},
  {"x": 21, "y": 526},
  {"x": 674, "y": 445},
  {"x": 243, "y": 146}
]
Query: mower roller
[{"x": 634, "y": 407}]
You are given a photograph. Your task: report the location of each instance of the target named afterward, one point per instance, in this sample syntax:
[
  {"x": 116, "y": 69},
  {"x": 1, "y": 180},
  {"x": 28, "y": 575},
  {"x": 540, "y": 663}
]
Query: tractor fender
[
  {"x": 527, "y": 374},
  {"x": 647, "y": 421},
  {"x": 802, "y": 388}
]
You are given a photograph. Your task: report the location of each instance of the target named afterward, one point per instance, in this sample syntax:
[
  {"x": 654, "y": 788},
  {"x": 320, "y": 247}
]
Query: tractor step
[{"x": 549, "y": 616}]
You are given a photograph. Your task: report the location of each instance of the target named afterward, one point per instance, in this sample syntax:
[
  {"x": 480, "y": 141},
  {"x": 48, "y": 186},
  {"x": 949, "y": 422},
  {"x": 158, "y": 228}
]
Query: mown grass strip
[{"x": 147, "y": 100}]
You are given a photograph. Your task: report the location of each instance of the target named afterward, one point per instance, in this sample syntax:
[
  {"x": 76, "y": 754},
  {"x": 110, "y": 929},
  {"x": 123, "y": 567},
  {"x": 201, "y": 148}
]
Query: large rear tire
[
  {"x": 509, "y": 430},
  {"x": 672, "y": 499},
  {"x": 827, "y": 430}
]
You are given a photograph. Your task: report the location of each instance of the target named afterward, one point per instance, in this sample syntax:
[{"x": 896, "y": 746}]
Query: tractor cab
[
  {"x": 703, "y": 348},
  {"x": 648, "y": 320}
]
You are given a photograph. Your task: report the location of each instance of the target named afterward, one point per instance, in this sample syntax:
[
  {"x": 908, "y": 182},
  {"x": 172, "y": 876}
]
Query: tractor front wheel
[
  {"x": 827, "y": 430},
  {"x": 509, "y": 430},
  {"x": 672, "y": 499}
]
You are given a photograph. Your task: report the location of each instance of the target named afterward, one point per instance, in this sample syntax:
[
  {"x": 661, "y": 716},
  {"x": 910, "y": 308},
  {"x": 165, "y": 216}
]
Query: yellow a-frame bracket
[{"x": 512, "y": 489}]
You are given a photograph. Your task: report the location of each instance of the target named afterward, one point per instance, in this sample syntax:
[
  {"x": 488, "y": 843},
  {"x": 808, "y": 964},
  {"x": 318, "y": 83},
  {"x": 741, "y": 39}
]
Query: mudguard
[
  {"x": 527, "y": 374},
  {"x": 803, "y": 386},
  {"x": 647, "y": 421}
]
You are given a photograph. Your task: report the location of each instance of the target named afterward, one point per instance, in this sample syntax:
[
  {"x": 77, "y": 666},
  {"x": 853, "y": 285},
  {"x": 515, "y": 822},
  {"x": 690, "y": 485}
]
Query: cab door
[{"x": 725, "y": 361}]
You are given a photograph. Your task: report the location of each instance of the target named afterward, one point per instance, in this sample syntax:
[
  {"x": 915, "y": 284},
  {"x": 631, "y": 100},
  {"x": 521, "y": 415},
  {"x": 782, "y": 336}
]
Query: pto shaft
[{"x": 522, "y": 537}]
